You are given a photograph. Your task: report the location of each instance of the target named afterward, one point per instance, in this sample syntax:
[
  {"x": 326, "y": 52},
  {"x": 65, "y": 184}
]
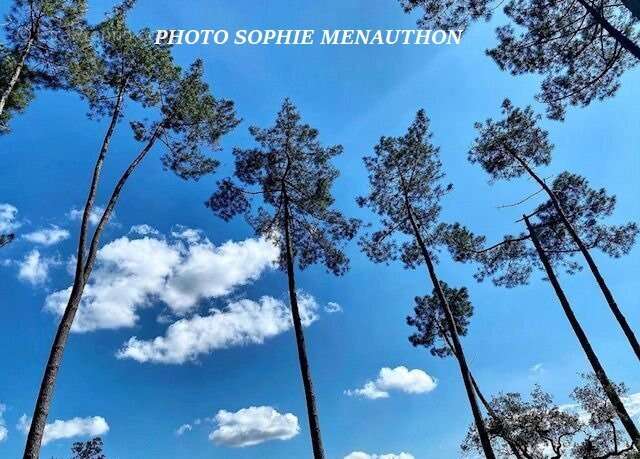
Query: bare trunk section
[
  {"x": 622, "y": 320},
  {"x": 312, "y": 412},
  {"x": 16, "y": 73},
  {"x": 612, "y": 395},
  {"x": 622, "y": 39},
  {"x": 45, "y": 395},
  {"x": 453, "y": 333}
]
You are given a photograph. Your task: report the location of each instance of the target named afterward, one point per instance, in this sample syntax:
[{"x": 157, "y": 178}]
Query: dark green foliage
[
  {"x": 431, "y": 324},
  {"x": 48, "y": 45},
  {"x": 6, "y": 239},
  {"x": 290, "y": 166},
  {"x": 540, "y": 429},
  {"x": 91, "y": 449},
  {"x": 404, "y": 166},
  {"x": 20, "y": 96},
  {"x": 502, "y": 146},
  {"x": 581, "y": 47}
]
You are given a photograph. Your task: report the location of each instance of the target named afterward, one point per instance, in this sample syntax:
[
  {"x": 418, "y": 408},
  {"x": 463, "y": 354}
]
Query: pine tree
[
  {"x": 188, "y": 120},
  {"x": 405, "y": 176},
  {"x": 582, "y": 48},
  {"x": 48, "y": 44},
  {"x": 513, "y": 147},
  {"x": 293, "y": 176}
]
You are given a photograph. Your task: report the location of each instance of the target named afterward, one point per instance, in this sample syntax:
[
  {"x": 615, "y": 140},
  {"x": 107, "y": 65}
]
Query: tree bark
[
  {"x": 453, "y": 333},
  {"x": 612, "y": 395},
  {"x": 622, "y": 320},
  {"x": 312, "y": 412},
  {"x": 45, "y": 395},
  {"x": 16, "y": 74},
  {"x": 622, "y": 39}
]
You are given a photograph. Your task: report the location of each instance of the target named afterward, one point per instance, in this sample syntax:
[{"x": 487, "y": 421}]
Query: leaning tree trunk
[
  {"x": 16, "y": 74},
  {"x": 453, "y": 332},
  {"x": 512, "y": 444},
  {"x": 617, "y": 35},
  {"x": 312, "y": 412},
  {"x": 626, "y": 328},
  {"x": 612, "y": 395},
  {"x": 45, "y": 395}
]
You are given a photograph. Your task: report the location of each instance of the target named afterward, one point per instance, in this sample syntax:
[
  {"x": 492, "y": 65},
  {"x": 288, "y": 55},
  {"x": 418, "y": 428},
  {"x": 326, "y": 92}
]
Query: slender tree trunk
[
  {"x": 453, "y": 333},
  {"x": 314, "y": 423},
  {"x": 622, "y": 320},
  {"x": 622, "y": 39},
  {"x": 612, "y": 395},
  {"x": 45, "y": 395},
  {"x": 16, "y": 74},
  {"x": 512, "y": 445}
]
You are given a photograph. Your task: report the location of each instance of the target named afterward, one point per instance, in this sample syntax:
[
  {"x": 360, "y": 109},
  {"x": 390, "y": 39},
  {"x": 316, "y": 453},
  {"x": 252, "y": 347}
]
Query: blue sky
[{"x": 353, "y": 95}]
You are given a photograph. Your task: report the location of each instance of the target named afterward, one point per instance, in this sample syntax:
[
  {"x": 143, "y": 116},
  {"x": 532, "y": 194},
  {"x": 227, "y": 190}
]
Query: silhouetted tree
[
  {"x": 47, "y": 45},
  {"x": 405, "y": 176},
  {"x": 513, "y": 147},
  {"x": 586, "y": 429},
  {"x": 582, "y": 48},
  {"x": 91, "y": 449},
  {"x": 294, "y": 175},
  {"x": 187, "y": 118}
]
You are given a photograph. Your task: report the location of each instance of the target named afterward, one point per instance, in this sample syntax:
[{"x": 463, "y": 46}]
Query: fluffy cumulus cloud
[
  {"x": 3, "y": 426},
  {"x": 47, "y": 236},
  {"x": 94, "y": 216},
  {"x": 399, "y": 379},
  {"x": 76, "y": 427},
  {"x": 240, "y": 323},
  {"x": 132, "y": 273},
  {"x": 8, "y": 221},
  {"x": 252, "y": 426},
  {"x": 34, "y": 268},
  {"x": 361, "y": 455}
]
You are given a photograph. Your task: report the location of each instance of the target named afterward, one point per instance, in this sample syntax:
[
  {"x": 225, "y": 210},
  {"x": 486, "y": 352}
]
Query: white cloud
[
  {"x": 76, "y": 427},
  {"x": 632, "y": 404},
  {"x": 49, "y": 236},
  {"x": 3, "y": 426},
  {"x": 144, "y": 230},
  {"x": 399, "y": 379},
  {"x": 190, "y": 235},
  {"x": 131, "y": 274},
  {"x": 94, "y": 216},
  {"x": 34, "y": 268},
  {"x": 361, "y": 455},
  {"x": 183, "y": 428},
  {"x": 332, "y": 307},
  {"x": 240, "y": 323},
  {"x": 8, "y": 221},
  {"x": 537, "y": 369},
  {"x": 252, "y": 426}
]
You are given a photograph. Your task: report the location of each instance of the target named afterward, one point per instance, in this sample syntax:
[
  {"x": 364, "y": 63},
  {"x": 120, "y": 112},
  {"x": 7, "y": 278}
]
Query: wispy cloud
[{"x": 47, "y": 236}]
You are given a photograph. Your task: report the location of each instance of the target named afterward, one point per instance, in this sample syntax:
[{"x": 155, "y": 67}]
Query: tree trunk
[
  {"x": 45, "y": 395},
  {"x": 622, "y": 39},
  {"x": 312, "y": 412},
  {"x": 612, "y": 395},
  {"x": 512, "y": 445},
  {"x": 453, "y": 333},
  {"x": 631, "y": 337},
  {"x": 16, "y": 74}
]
